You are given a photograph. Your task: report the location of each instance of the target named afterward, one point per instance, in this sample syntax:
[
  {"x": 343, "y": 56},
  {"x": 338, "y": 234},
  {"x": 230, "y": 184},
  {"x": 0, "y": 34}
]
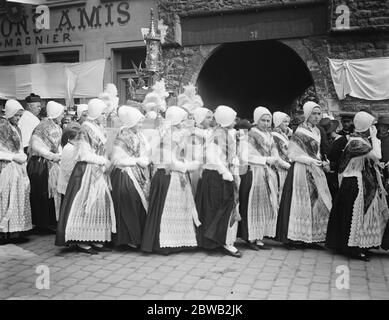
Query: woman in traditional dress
[
  {"x": 218, "y": 190},
  {"x": 306, "y": 200},
  {"x": 130, "y": 186},
  {"x": 360, "y": 211},
  {"x": 15, "y": 212},
  {"x": 87, "y": 216},
  {"x": 172, "y": 214},
  {"x": 258, "y": 193},
  {"x": 281, "y": 133},
  {"x": 82, "y": 113},
  {"x": 196, "y": 142},
  {"x": 43, "y": 169}
]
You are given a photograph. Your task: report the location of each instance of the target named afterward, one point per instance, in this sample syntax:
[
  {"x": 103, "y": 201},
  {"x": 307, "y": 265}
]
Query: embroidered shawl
[
  {"x": 308, "y": 140},
  {"x": 10, "y": 136},
  {"x": 262, "y": 142},
  {"x": 50, "y": 133},
  {"x": 282, "y": 141},
  {"x": 94, "y": 137},
  {"x": 132, "y": 143},
  {"x": 355, "y": 156}
]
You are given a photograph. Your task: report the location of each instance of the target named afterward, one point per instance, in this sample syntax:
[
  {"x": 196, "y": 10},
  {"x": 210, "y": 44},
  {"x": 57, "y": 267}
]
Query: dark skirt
[
  {"x": 158, "y": 191},
  {"x": 10, "y": 236},
  {"x": 214, "y": 203},
  {"x": 284, "y": 209},
  {"x": 246, "y": 181},
  {"x": 42, "y": 208},
  {"x": 385, "y": 238},
  {"x": 72, "y": 189},
  {"x": 129, "y": 211},
  {"x": 339, "y": 223},
  {"x": 333, "y": 183}
]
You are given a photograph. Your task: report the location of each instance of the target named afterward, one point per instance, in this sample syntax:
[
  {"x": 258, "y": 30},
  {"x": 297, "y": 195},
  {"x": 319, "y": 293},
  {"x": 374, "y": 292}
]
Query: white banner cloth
[{"x": 361, "y": 78}]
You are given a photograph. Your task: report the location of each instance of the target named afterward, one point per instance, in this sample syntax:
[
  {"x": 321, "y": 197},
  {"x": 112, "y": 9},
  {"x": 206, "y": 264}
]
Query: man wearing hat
[
  {"x": 338, "y": 145},
  {"x": 383, "y": 135},
  {"x": 30, "y": 118},
  {"x": 329, "y": 127},
  {"x": 328, "y": 132}
]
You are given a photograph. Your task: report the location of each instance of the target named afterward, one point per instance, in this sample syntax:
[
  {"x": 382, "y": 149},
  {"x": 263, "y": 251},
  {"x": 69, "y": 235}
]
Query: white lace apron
[{"x": 179, "y": 216}]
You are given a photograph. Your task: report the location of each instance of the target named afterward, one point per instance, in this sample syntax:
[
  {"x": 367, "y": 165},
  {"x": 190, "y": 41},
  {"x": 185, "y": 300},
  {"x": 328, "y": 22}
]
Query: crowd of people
[{"x": 208, "y": 179}]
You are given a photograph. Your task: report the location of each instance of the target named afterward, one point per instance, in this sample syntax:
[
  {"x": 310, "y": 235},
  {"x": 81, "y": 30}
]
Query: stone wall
[
  {"x": 315, "y": 51},
  {"x": 365, "y": 13}
]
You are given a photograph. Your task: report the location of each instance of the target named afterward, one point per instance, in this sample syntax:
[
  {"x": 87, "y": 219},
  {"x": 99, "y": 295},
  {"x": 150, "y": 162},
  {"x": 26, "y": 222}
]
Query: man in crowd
[
  {"x": 346, "y": 119},
  {"x": 383, "y": 135},
  {"x": 30, "y": 118}
]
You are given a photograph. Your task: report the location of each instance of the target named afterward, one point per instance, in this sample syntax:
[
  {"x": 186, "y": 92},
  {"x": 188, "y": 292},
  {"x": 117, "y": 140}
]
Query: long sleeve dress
[
  {"x": 306, "y": 200},
  {"x": 15, "y": 211},
  {"x": 130, "y": 186},
  {"x": 258, "y": 201},
  {"x": 360, "y": 211},
  {"x": 172, "y": 216},
  {"x": 43, "y": 173},
  {"x": 216, "y": 198},
  {"x": 87, "y": 212}
]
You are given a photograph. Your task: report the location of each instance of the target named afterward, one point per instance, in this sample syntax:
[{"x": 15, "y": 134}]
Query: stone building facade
[
  {"x": 293, "y": 40},
  {"x": 367, "y": 36}
]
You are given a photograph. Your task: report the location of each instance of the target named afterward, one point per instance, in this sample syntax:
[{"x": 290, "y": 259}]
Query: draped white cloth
[
  {"x": 53, "y": 80},
  {"x": 361, "y": 78}
]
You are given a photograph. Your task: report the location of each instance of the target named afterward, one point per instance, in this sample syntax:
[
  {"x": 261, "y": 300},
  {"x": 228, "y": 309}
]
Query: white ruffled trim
[
  {"x": 262, "y": 208},
  {"x": 92, "y": 216},
  {"x": 308, "y": 224},
  {"x": 177, "y": 227},
  {"x": 15, "y": 210},
  {"x": 367, "y": 228}
]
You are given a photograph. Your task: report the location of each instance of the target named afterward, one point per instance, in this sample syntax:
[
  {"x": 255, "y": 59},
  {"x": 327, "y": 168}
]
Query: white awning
[{"x": 53, "y": 80}]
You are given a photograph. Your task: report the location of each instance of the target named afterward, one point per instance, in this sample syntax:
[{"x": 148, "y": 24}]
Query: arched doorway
[{"x": 246, "y": 75}]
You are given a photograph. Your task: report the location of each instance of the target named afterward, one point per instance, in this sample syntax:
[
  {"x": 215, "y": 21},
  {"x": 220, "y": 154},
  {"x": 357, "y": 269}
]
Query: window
[
  {"x": 124, "y": 68},
  {"x": 67, "y": 56},
  {"x": 15, "y": 60}
]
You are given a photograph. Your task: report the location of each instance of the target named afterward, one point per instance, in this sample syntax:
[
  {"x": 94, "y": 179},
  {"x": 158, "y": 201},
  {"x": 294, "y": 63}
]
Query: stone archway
[{"x": 248, "y": 74}]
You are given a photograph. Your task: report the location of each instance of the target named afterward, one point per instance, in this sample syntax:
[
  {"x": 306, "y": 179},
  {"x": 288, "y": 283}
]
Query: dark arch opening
[{"x": 249, "y": 74}]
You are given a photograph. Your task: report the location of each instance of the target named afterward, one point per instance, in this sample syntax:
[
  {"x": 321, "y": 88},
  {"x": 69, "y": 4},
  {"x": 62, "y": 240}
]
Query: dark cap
[
  {"x": 33, "y": 98},
  {"x": 347, "y": 115},
  {"x": 243, "y": 124},
  {"x": 329, "y": 125},
  {"x": 383, "y": 120},
  {"x": 296, "y": 120}
]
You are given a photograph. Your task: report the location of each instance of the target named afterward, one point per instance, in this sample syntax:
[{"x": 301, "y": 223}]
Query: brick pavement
[{"x": 275, "y": 274}]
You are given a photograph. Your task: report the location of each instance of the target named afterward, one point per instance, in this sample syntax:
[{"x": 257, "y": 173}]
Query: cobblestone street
[{"x": 275, "y": 274}]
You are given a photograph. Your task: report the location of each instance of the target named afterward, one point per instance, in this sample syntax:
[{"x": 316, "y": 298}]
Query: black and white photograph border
[{"x": 290, "y": 56}]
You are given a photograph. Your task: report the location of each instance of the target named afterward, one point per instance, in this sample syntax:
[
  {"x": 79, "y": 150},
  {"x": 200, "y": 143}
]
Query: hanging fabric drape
[
  {"x": 361, "y": 78},
  {"x": 53, "y": 80}
]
